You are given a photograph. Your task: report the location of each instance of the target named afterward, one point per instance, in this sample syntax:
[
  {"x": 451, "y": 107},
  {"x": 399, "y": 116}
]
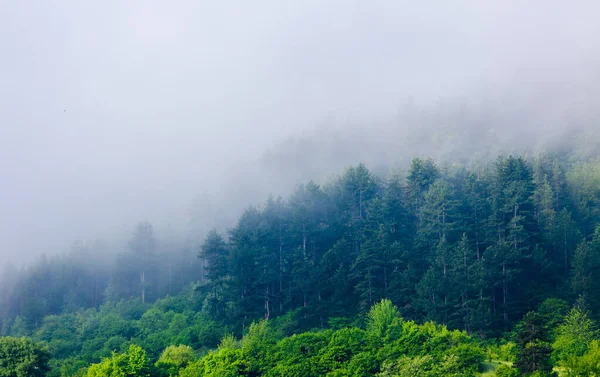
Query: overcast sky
[{"x": 117, "y": 111}]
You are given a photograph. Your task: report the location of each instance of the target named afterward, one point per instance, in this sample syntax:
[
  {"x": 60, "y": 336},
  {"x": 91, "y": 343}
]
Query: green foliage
[
  {"x": 575, "y": 334},
  {"x": 586, "y": 365},
  {"x": 409, "y": 367},
  {"x": 348, "y": 351},
  {"x": 225, "y": 361},
  {"x": 133, "y": 363},
  {"x": 505, "y": 351},
  {"x": 175, "y": 358},
  {"x": 20, "y": 357},
  {"x": 553, "y": 311},
  {"x": 423, "y": 366},
  {"x": 228, "y": 342},
  {"x": 506, "y": 371},
  {"x": 297, "y": 356},
  {"x": 78, "y": 339},
  {"x": 508, "y": 352},
  {"x": 256, "y": 347},
  {"x": 381, "y": 316}
]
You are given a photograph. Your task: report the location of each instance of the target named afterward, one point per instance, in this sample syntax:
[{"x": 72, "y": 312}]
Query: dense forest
[{"x": 444, "y": 270}]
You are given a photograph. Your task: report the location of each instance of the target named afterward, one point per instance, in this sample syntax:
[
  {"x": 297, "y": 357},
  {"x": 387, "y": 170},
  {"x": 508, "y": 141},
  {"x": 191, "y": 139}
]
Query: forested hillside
[{"x": 503, "y": 259}]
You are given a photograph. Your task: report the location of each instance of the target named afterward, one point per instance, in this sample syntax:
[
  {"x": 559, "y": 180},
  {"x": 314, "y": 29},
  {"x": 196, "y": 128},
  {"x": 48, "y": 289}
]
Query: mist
[{"x": 182, "y": 113}]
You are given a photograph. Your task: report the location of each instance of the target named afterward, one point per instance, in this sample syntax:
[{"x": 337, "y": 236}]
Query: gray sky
[{"x": 113, "y": 112}]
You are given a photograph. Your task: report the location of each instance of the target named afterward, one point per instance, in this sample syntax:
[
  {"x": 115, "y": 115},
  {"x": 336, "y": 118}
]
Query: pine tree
[
  {"x": 439, "y": 212},
  {"x": 533, "y": 349},
  {"x": 309, "y": 207},
  {"x": 422, "y": 174},
  {"x": 475, "y": 211},
  {"x": 142, "y": 246},
  {"x": 215, "y": 251},
  {"x": 462, "y": 284},
  {"x": 586, "y": 270}
]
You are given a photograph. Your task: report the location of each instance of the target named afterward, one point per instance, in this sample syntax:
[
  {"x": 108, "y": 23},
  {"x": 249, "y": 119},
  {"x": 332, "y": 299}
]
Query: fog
[{"x": 183, "y": 112}]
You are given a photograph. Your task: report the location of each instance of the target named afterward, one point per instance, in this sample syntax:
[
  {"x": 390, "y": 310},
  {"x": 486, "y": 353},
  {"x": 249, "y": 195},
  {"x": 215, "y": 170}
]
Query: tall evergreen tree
[{"x": 533, "y": 348}]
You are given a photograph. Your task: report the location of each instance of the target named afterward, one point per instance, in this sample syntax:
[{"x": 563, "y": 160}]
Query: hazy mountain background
[{"x": 116, "y": 112}]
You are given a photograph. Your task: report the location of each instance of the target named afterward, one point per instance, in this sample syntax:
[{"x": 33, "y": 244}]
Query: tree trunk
[
  {"x": 267, "y": 308},
  {"x": 143, "y": 283},
  {"x": 304, "y": 239},
  {"x": 280, "y": 269},
  {"x": 566, "y": 251},
  {"x": 504, "y": 294}
]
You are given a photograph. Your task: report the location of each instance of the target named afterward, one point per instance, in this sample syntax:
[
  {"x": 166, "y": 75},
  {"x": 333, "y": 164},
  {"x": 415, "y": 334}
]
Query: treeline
[
  {"x": 473, "y": 250},
  {"x": 491, "y": 252},
  {"x": 93, "y": 273}
]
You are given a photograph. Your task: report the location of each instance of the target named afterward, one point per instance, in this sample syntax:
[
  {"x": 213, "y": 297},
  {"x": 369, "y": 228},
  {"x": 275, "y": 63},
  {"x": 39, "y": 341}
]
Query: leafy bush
[
  {"x": 20, "y": 357},
  {"x": 506, "y": 371}
]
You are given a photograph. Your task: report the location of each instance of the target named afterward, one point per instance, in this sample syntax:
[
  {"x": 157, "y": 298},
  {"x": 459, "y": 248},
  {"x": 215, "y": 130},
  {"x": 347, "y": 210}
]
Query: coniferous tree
[
  {"x": 533, "y": 348},
  {"x": 586, "y": 270}
]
